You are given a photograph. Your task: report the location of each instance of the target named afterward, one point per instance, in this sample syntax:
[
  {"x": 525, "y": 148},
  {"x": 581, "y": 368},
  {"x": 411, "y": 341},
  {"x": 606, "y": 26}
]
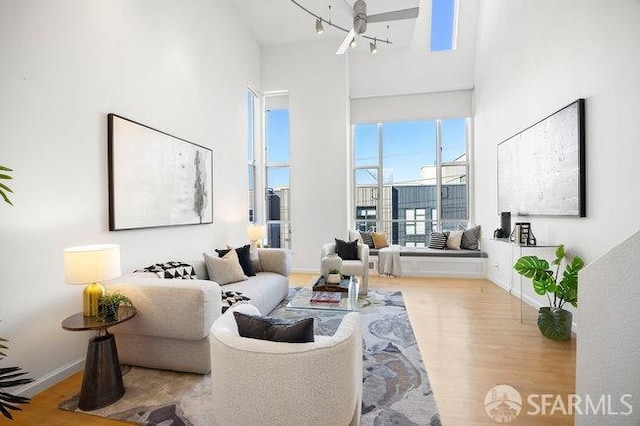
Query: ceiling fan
[{"x": 360, "y": 20}]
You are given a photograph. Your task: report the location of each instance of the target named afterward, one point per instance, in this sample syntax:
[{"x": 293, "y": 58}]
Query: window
[
  {"x": 277, "y": 172},
  {"x": 411, "y": 178},
  {"x": 443, "y": 25},
  {"x": 251, "y": 159}
]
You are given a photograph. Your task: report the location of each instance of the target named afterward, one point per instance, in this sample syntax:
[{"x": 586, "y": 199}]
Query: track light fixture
[
  {"x": 320, "y": 28},
  {"x": 373, "y": 47},
  {"x": 353, "y": 43}
]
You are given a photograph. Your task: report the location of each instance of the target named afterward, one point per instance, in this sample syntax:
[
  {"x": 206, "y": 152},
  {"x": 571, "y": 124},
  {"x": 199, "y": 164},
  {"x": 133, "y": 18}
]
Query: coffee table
[{"x": 348, "y": 302}]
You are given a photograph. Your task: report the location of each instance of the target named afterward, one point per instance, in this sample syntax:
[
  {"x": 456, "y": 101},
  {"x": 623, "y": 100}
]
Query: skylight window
[{"x": 443, "y": 25}]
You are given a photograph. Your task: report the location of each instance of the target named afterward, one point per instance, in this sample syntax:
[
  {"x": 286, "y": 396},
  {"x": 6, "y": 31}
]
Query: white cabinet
[{"x": 499, "y": 263}]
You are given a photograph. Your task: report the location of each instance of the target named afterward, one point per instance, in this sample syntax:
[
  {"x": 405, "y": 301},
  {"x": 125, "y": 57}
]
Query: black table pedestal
[{"x": 102, "y": 382}]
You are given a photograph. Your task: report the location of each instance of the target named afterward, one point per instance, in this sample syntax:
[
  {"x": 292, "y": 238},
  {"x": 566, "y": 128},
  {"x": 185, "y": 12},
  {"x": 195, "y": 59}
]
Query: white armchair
[
  {"x": 358, "y": 267},
  {"x": 259, "y": 382}
]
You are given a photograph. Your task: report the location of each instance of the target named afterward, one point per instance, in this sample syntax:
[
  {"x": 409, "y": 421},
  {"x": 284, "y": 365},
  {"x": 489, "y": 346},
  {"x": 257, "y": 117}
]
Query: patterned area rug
[{"x": 396, "y": 389}]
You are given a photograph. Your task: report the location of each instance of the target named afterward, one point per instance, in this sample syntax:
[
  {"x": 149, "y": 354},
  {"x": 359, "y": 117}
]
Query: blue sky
[
  {"x": 408, "y": 145},
  {"x": 442, "y": 18}
]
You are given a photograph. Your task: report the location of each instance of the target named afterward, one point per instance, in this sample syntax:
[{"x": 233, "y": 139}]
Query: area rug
[{"x": 396, "y": 389}]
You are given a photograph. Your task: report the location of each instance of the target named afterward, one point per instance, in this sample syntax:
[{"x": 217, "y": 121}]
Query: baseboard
[{"x": 51, "y": 379}]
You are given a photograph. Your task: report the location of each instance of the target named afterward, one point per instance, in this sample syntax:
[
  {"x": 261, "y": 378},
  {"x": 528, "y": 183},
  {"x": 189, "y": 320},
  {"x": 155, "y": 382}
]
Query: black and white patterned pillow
[
  {"x": 172, "y": 270},
  {"x": 438, "y": 240},
  {"x": 230, "y": 298},
  {"x": 367, "y": 238}
]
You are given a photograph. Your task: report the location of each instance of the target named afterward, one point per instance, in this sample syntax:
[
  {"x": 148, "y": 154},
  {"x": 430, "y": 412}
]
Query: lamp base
[{"x": 90, "y": 297}]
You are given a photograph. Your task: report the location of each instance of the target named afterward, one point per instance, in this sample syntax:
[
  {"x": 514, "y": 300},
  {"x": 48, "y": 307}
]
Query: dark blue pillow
[
  {"x": 347, "y": 250},
  {"x": 274, "y": 329}
]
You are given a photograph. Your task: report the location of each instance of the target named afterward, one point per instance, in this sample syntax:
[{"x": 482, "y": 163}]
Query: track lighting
[
  {"x": 321, "y": 21},
  {"x": 373, "y": 47},
  {"x": 353, "y": 43}
]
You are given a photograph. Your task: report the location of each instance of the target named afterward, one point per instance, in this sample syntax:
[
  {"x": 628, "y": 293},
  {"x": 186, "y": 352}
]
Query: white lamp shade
[
  {"x": 256, "y": 232},
  {"x": 91, "y": 264}
]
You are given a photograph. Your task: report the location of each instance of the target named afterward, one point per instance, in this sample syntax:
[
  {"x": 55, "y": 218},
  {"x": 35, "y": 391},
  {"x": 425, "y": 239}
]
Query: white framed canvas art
[{"x": 156, "y": 179}]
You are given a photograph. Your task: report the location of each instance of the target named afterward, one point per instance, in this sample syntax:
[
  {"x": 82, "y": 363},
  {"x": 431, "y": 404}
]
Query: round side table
[{"x": 102, "y": 382}]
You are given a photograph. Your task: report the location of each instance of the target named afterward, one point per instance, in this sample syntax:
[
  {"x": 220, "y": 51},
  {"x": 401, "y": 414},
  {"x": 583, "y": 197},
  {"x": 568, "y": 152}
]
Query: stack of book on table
[{"x": 326, "y": 297}]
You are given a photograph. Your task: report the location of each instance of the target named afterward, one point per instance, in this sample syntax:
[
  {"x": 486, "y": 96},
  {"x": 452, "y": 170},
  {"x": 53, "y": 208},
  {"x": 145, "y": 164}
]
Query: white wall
[
  {"x": 316, "y": 81},
  {"x": 607, "y": 354},
  {"x": 63, "y": 66},
  {"x": 416, "y": 69},
  {"x": 533, "y": 58}
]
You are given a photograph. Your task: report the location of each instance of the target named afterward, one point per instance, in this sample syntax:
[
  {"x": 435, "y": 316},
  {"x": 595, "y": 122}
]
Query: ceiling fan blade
[
  {"x": 396, "y": 15},
  {"x": 346, "y": 42}
]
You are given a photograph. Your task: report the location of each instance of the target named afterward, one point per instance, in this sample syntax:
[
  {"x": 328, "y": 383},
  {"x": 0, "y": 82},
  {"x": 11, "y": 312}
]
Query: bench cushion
[{"x": 427, "y": 252}]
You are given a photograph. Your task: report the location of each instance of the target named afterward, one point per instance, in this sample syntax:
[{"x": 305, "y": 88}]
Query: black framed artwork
[
  {"x": 541, "y": 170},
  {"x": 156, "y": 179}
]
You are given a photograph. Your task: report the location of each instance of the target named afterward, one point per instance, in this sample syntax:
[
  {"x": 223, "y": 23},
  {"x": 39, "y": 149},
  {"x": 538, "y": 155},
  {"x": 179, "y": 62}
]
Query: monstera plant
[
  {"x": 9, "y": 376},
  {"x": 3, "y": 187},
  {"x": 554, "y": 322}
]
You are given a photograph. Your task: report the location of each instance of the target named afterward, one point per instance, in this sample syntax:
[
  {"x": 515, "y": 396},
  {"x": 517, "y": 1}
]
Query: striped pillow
[
  {"x": 438, "y": 240},
  {"x": 367, "y": 238}
]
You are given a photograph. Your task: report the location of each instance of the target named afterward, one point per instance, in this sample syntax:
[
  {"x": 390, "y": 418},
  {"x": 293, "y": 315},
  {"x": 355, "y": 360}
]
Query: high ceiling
[{"x": 282, "y": 22}]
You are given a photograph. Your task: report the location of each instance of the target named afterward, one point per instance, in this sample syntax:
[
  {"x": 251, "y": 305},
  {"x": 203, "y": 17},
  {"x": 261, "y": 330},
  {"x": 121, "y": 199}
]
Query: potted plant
[
  {"x": 109, "y": 303},
  {"x": 554, "y": 322},
  {"x": 9, "y": 375},
  {"x": 334, "y": 276},
  {"x": 4, "y": 188}
]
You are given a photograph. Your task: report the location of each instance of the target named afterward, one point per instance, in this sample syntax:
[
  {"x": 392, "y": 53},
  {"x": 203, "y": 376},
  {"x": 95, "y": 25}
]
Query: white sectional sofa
[{"x": 171, "y": 329}]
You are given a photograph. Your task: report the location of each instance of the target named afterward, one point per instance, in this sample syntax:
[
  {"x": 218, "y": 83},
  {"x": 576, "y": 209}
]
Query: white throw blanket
[{"x": 389, "y": 261}]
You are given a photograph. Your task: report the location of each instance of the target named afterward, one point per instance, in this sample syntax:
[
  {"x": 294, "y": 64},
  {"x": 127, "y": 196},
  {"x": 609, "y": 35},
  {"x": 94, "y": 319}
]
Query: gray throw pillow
[
  {"x": 470, "y": 238},
  {"x": 274, "y": 329},
  {"x": 224, "y": 270}
]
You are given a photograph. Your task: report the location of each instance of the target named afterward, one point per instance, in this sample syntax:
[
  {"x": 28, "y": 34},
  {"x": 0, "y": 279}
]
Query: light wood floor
[{"x": 471, "y": 339}]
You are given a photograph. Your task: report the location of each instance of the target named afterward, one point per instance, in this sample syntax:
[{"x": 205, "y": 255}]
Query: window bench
[{"x": 428, "y": 262}]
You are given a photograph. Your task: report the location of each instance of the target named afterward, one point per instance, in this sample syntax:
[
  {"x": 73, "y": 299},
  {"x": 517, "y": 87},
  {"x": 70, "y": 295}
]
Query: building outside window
[
  {"x": 278, "y": 194},
  {"x": 415, "y": 175}
]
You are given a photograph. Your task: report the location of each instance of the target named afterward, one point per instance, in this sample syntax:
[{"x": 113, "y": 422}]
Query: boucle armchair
[
  {"x": 259, "y": 382},
  {"x": 358, "y": 267}
]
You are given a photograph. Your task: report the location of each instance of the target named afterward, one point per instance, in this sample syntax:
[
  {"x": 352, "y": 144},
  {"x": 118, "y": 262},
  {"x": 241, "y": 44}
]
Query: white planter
[{"x": 334, "y": 278}]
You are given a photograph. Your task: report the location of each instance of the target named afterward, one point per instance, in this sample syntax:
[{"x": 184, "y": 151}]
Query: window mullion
[{"x": 439, "y": 172}]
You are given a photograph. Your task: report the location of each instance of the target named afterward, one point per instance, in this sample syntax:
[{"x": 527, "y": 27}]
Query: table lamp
[
  {"x": 256, "y": 233},
  {"x": 90, "y": 265}
]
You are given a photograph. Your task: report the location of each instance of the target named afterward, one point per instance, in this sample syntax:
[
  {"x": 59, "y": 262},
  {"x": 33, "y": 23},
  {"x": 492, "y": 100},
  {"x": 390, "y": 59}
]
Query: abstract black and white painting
[
  {"x": 541, "y": 170},
  {"x": 156, "y": 179}
]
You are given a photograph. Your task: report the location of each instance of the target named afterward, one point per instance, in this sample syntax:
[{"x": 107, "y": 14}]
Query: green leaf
[
  {"x": 6, "y": 199},
  {"x": 531, "y": 266},
  {"x": 5, "y": 187},
  {"x": 5, "y": 176},
  {"x": 5, "y": 169}
]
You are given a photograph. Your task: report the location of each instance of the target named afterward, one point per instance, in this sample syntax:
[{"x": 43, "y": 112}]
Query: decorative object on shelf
[
  {"x": 553, "y": 321},
  {"x": 498, "y": 233},
  {"x": 330, "y": 262},
  {"x": 531, "y": 241},
  {"x": 360, "y": 20},
  {"x": 175, "y": 176},
  {"x": 4, "y": 188},
  {"x": 541, "y": 170},
  {"x": 256, "y": 233},
  {"x": 505, "y": 224},
  {"x": 334, "y": 276},
  {"x": 90, "y": 265},
  {"x": 109, "y": 303},
  {"x": 520, "y": 234}
]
